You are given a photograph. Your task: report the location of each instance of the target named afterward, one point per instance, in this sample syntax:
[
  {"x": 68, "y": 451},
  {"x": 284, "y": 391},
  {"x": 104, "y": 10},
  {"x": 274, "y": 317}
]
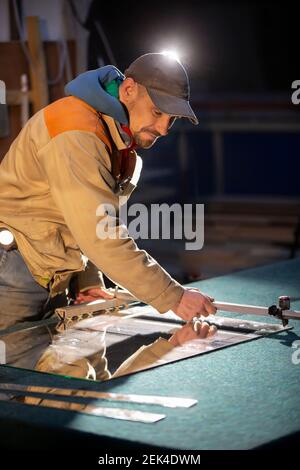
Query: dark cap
[{"x": 166, "y": 81}]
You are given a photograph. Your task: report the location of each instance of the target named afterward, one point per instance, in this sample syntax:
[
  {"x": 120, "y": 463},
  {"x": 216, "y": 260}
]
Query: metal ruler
[
  {"x": 170, "y": 402},
  {"x": 281, "y": 311},
  {"x": 113, "y": 413}
]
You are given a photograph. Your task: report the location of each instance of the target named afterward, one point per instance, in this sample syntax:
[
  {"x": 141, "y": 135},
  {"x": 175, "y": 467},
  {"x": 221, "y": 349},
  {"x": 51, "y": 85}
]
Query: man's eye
[{"x": 157, "y": 113}]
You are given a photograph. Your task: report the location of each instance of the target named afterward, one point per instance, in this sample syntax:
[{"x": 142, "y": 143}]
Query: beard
[{"x": 143, "y": 138}]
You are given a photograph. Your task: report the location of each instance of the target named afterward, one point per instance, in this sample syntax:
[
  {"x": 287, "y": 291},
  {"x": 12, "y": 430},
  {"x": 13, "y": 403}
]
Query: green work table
[{"x": 248, "y": 394}]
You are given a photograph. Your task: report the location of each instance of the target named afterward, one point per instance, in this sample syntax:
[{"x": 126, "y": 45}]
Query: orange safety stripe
[{"x": 73, "y": 114}]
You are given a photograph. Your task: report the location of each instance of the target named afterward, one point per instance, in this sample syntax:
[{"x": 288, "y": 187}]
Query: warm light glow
[
  {"x": 6, "y": 237},
  {"x": 172, "y": 54}
]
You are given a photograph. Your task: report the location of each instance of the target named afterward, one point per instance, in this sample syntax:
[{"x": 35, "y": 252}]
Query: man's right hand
[{"x": 193, "y": 304}]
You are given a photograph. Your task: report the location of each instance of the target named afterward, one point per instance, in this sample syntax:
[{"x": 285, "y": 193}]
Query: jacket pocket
[{"x": 57, "y": 250}]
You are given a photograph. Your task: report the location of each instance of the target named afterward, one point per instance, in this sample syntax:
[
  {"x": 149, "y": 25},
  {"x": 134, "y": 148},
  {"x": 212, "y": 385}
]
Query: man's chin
[{"x": 145, "y": 143}]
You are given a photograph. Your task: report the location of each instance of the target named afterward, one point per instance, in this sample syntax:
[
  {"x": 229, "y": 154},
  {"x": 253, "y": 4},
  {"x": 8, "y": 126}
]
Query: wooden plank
[
  {"x": 38, "y": 74},
  {"x": 13, "y": 64},
  {"x": 243, "y": 206},
  {"x": 14, "y": 97},
  {"x": 254, "y": 233},
  {"x": 250, "y": 219}
]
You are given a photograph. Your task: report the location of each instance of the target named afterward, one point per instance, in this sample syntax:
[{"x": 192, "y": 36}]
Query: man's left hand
[
  {"x": 94, "y": 293},
  {"x": 192, "y": 330}
]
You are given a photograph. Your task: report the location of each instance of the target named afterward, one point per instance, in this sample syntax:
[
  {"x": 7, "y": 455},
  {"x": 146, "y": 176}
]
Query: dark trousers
[{"x": 21, "y": 297}]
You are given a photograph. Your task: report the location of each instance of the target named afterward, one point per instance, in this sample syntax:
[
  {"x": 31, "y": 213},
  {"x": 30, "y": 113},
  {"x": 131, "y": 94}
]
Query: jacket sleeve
[
  {"x": 145, "y": 357},
  {"x": 90, "y": 277},
  {"x": 77, "y": 164}
]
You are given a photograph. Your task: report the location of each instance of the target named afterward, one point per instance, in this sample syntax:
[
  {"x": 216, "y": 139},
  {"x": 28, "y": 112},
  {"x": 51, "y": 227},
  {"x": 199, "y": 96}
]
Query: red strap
[{"x": 133, "y": 144}]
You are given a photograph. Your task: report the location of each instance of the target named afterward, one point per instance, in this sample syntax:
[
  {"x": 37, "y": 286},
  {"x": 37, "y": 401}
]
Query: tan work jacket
[{"x": 63, "y": 165}]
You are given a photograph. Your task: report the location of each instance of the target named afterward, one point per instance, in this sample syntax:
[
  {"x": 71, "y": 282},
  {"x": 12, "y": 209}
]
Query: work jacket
[{"x": 68, "y": 161}]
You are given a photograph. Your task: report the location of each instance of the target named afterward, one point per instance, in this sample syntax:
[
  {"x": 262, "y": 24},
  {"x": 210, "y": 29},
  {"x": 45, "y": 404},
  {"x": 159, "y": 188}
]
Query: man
[{"x": 71, "y": 158}]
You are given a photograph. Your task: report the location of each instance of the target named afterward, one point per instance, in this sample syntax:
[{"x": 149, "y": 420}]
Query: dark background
[{"x": 241, "y": 46}]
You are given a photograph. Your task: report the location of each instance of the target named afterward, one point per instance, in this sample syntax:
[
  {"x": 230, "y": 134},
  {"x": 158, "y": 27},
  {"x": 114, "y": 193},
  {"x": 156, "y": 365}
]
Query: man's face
[{"x": 147, "y": 123}]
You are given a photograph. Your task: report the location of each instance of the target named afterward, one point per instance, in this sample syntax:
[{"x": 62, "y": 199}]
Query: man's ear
[{"x": 128, "y": 90}]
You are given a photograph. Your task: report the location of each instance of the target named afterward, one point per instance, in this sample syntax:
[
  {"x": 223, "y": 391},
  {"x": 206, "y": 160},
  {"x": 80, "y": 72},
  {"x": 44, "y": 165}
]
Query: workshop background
[{"x": 242, "y": 161}]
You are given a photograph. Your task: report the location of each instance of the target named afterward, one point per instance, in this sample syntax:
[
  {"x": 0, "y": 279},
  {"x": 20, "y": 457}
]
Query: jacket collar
[{"x": 114, "y": 132}]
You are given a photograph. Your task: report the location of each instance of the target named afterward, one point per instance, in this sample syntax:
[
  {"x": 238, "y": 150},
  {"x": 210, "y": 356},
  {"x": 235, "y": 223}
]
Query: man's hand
[
  {"x": 190, "y": 331},
  {"x": 95, "y": 293},
  {"x": 193, "y": 304}
]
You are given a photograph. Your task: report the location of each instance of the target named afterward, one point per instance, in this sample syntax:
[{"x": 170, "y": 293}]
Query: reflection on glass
[{"x": 119, "y": 343}]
